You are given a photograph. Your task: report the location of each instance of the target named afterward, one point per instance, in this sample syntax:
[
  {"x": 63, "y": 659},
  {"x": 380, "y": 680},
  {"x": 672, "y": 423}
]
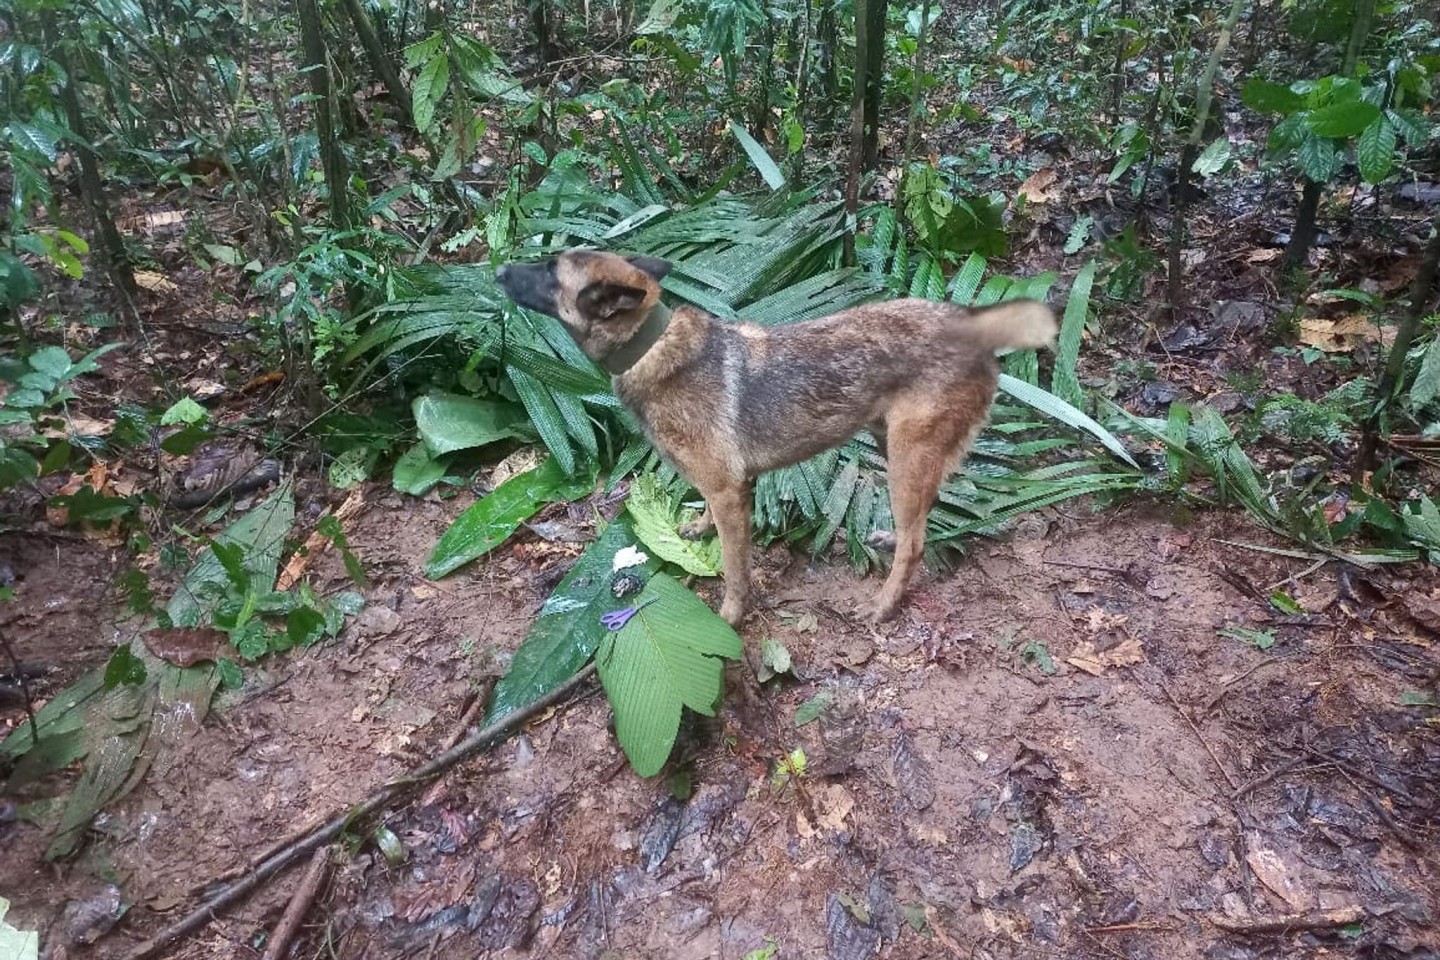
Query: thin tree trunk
[
  {"x": 112, "y": 247},
  {"x": 540, "y": 23},
  {"x": 802, "y": 96},
  {"x": 1421, "y": 290},
  {"x": 874, "y": 76},
  {"x": 1204, "y": 92},
  {"x": 827, "y": 35},
  {"x": 332, "y": 157},
  {"x": 1297, "y": 251},
  {"x": 912, "y": 126},
  {"x": 857, "y": 126},
  {"x": 380, "y": 60},
  {"x": 760, "y": 121},
  {"x": 1117, "y": 78}
]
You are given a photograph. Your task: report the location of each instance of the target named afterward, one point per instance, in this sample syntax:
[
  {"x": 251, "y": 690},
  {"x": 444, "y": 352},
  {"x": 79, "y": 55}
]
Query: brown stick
[
  {"x": 394, "y": 790},
  {"x": 1327, "y": 920},
  {"x": 289, "y": 923}
]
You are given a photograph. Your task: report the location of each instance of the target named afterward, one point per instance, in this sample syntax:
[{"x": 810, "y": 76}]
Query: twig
[
  {"x": 1263, "y": 779},
  {"x": 1095, "y": 567},
  {"x": 1198, "y": 736},
  {"x": 477, "y": 706},
  {"x": 279, "y": 941},
  {"x": 1328, "y": 920},
  {"x": 332, "y": 828},
  {"x": 1123, "y": 927},
  {"x": 1298, "y": 576},
  {"x": 1226, "y": 690},
  {"x": 24, "y": 688}
]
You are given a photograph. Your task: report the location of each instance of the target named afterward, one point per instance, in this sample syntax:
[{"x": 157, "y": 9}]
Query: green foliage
[
  {"x": 655, "y": 514},
  {"x": 35, "y": 409},
  {"x": 490, "y": 521},
  {"x": 667, "y": 656}
]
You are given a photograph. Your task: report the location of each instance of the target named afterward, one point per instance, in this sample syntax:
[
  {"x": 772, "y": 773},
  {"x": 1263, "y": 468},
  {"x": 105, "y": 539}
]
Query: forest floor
[{"x": 1053, "y": 752}]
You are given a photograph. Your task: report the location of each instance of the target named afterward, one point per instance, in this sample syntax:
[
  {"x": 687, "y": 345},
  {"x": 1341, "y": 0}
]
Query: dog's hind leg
[
  {"x": 699, "y": 528},
  {"x": 926, "y": 440}
]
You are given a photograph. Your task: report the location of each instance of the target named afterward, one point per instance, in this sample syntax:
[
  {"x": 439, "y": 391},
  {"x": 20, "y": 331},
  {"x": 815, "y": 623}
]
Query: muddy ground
[{"x": 1051, "y": 754}]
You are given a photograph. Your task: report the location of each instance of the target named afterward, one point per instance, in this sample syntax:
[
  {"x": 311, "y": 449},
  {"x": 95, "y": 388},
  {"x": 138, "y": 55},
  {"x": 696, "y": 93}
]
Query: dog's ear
[
  {"x": 654, "y": 266},
  {"x": 605, "y": 300}
]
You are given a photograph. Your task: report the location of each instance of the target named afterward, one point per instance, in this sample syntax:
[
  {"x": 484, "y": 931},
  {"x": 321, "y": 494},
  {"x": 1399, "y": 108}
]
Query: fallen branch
[
  {"x": 395, "y": 789},
  {"x": 1325, "y": 920},
  {"x": 279, "y": 942}
]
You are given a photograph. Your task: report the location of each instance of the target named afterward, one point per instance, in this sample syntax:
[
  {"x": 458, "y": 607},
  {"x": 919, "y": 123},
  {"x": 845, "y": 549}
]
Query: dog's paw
[
  {"x": 696, "y": 530},
  {"x": 732, "y": 613},
  {"x": 882, "y": 540},
  {"x": 877, "y": 612}
]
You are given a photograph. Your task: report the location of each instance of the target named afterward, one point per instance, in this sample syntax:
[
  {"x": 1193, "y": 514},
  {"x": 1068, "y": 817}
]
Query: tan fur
[{"x": 725, "y": 402}]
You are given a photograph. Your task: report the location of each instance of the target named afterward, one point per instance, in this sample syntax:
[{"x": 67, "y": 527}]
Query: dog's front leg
[
  {"x": 729, "y": 505},
  {"x": 699, "y": 528}
]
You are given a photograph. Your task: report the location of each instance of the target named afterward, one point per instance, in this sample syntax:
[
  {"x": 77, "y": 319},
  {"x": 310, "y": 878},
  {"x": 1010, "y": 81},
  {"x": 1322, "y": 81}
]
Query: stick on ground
[
  {"x": 237, "y": 891},
  {"x": 279, "y": 941}
]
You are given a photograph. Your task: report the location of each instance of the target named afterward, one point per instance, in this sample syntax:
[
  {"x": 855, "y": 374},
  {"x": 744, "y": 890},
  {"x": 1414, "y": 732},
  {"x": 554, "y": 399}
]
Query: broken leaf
[
  {"x": 1037, "y": 186},
  {"x": 1095, "y": 662},
  {"x": 774, "y": 659}
]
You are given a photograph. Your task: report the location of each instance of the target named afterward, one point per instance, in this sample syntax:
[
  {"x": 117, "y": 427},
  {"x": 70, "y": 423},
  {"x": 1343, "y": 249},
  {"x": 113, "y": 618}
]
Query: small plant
[{"x": 34, "y": 411}]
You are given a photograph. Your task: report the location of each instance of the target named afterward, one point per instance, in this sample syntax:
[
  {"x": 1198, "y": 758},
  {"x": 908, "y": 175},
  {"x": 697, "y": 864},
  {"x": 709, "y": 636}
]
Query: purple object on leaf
[{"x": 618, "y": 618}]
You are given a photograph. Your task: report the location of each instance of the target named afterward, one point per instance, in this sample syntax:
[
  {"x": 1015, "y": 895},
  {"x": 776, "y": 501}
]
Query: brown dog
[{"x": 725, "y": 402}]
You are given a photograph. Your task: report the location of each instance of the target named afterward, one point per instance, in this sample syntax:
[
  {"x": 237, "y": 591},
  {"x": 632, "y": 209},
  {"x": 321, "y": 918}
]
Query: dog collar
[{"x": 625, "y": 356}]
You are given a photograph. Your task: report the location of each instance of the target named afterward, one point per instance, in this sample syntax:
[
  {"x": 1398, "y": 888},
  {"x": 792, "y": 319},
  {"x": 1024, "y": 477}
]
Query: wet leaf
[
  {"x": 416, "y": 471},
  {"x": 811, "y": 709},
  {"x": 568, "y": 629},
  {"x": 1286, "y": 604},
  {"x": 1272, "y": 870},
  {"x": 491, "y": 520},
  {"x": 447, "y": 422},
  {"x": 913, "y": 774},
  {"x": 656, "y": 524},
  {"x": 774, "y": 660},
  {"x": 389, "y": 845},
  {"x": 668, "y": 656}
]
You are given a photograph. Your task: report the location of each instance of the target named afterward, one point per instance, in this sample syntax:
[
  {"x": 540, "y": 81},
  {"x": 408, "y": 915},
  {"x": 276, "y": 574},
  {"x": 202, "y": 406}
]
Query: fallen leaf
[
  {"x": 1264, "y": 255},
  {"x": 186, "y": 646},
  {"x": 1095, "y": 662},
  {"x": 154, "y": 282},
  {"x": 1343, "y": 335},
  {"x": 1036, "y": 188},
  {"x": 1272, "y": 871}
]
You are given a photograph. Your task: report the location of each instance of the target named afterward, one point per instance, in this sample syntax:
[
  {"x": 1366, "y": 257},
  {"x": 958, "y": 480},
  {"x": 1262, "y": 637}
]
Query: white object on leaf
[{"x": 628, "y": 557}]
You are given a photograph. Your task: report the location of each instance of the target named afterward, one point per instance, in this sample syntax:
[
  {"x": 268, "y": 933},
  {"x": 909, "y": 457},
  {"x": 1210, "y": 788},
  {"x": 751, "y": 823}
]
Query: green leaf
[
  {"x": 1266, "y": 97},
  {"x": 184, "y": 410},
  {"x": 1287, "y": 135},
  {"x": 429, "y": 89},
  {"x": 774, "y": 659},
  {"x": 1286, "y": 604},
  {"x": 653, "y": 514},
  {"x": 1213, "y": 158},
  {"x": 668, "y": 656},
  {"x": 416, "y": 471},
  {"x": 568, "y": 629},
  {"x": 1318, "y": 159},
  {"x": 1052, "y": 406},
  {"x": 448, "y": 422},
  {"x": 1412, "y": 126},
  {"x": 53, "y": 361},
  {"x": 1259, "y": 639},
  {"x": 764, "y": 164},
  {"x": 124, "y": 667},
  {"x": 1427, "y": 380},
  {"x": 34, "y": 139},
  {"x": 812, "y": 709},
  {"x": 1341, "y": 120},
  {"x": 260, "y": 534},
  {"x": 1079, "y": 233},
  {"x": 304, "y": 625},
  {"x": 491, "y": 520},
  {"x": 1375, "y": 150},
  {"x": 1063, "y": 382},
  {"x": 351, "y": 468}
]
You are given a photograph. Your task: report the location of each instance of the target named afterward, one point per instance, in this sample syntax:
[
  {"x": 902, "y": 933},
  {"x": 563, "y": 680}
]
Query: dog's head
[{"x": 602, "y": 298}]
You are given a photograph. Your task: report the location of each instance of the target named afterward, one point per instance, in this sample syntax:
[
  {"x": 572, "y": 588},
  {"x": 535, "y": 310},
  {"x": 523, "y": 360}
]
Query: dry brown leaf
[
  {"x": 1344, "y": 334},
  {"x": 1272, "y": 871},
  {"x": 77, "y": 424},
  {"x": 1264, "y": 255},
  {"x": 832, "y": 804},
  {"x": 1037, "y": 186},
  {"x": 1095, "y": 662},
  {"x": 316, "y": 542},
  {"x": 186, "y": 646},
  {"x": 154, "y": 282},
  {"x": 526, "y": 458}
]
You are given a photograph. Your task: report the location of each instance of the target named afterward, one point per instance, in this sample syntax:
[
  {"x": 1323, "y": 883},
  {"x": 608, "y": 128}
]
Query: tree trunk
[
  {"x": 874, "y": 76},
  {"x": 112, "y": 247},
  {"x": 827, "y": 37},
  {"x": 1204, "y": 93},
  {"x": 760, "y": 121},
  {"x": 802, "y": 96},
  {"x": 1117, "y": 78},
  {"x": 380, "y": 61},
  {"x": 540, "y": 23},
  {"x": 332, "y": 157},
  {"x": 1421, "y": 290},
  {"x": 857, "y": 125},
  {"x": 912, "y": 125},
  {"x": 1297, "y": 251}
]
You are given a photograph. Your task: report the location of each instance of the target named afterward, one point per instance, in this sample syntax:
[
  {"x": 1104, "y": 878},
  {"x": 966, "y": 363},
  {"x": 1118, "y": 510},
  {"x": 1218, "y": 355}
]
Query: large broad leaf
[
  {"x": 1375, "y": 150},
  {"x": 665, "y": 658},
  {"x": 416, "y": 471},
  {"x": 1267, "y": 97},
  {"x": 1341, "y": 120},
  {"x": 1052, "y": 406},
  {"x": 568, "y": 629},
  {"x": 491, "y": 520},
  {"x": 429, "y": 88},
  {"x": 654, "y": 516},
  {"x": 1318, "y": 159},
  {"x": 1427, "y": 382},
  {"x": 260, "y": 535},
  {"x": 448, "y": 422},
  {"x": 764, "y": 164},
  {"x": 1063, "y": 382}
]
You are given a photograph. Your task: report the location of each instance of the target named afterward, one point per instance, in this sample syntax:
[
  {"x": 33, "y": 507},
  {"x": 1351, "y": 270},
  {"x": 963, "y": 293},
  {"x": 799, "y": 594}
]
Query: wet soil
[{"x": 1051, "y": 754}]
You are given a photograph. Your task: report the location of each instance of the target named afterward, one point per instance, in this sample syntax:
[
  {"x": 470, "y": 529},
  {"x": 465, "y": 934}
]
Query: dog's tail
[{"x": 1017, "y": 324}]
